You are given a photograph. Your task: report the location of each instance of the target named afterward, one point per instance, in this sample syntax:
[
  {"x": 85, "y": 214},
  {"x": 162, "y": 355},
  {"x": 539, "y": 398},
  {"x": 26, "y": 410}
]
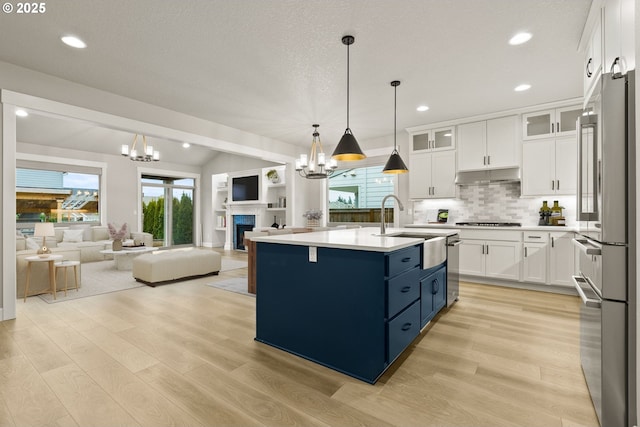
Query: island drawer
[
  {"x": 402, "y": 260},
  {"x": 402, "y": 290},
  {"x": 403, "y": 329}
]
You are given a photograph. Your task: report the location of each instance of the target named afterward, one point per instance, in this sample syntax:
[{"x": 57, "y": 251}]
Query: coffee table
[{"x": 123, "y": 259}]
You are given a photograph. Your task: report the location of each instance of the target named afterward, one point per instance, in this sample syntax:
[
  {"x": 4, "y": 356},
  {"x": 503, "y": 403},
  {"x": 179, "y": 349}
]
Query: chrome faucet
[{"x": 384, "y": 199}]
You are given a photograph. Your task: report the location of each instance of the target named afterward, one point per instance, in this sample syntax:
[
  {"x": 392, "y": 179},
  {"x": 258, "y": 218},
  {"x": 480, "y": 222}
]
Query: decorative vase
[
  {"x": 313, "y": 223},
  {"x": 117, "y": 245}
]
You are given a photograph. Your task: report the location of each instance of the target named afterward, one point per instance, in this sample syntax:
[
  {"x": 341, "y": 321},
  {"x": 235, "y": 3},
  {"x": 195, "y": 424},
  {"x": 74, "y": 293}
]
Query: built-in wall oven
[{"x": 606, "y": 203}]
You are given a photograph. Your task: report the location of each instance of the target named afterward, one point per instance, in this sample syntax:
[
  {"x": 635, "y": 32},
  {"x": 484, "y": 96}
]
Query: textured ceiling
[{"x": 274, "y": 67}]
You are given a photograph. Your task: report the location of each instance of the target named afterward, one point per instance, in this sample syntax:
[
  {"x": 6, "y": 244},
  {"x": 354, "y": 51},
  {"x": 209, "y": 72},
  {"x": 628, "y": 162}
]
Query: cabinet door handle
[
  {"x": 553, "y": 184},
  {"x": 552, "y": 242},
  {"x": 558, "y": 185},
  {"x": 405, "y": 289},
  {"x": 406, "y": 326},
  {"x": 482, "y": 249},
  {"x": 588, "y": 67},
  {"x": 525, "y": 251},
  {"x": 487, "y": 249},
  {"x": 484, "y": 160},
  {"x": 436, "y": 287},
  {"x": 488, "y": 160},
  {"x": 552, "y": 127},
  {"x": 433, "y": 192}
]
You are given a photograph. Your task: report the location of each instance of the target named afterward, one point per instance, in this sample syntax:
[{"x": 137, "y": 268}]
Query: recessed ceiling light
[
  {"x": 73, "y": 41},
  {"x": 186, "y": 145},
  {"x": 520, "y": 38},
  {"x": 21, "y": 113},
  {"x": 522, "y": 87},
  {"x": 422, "y": 108}
]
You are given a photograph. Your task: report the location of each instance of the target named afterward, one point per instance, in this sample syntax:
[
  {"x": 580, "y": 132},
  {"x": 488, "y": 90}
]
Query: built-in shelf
[{"x": 276, "y": 209}]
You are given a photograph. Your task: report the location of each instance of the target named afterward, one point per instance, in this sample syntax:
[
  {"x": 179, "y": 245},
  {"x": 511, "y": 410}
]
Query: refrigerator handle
[
  {"x": 595, "y": 303},
  {"x": 583, "y": 122}
]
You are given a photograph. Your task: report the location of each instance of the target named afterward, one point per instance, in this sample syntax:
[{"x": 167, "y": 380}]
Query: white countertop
[
  {"x": 362, "y": 239},
  {"x": 478, "y": 227}
]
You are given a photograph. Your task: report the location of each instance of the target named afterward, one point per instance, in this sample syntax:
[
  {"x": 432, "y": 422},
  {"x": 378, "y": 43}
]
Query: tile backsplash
[{"x": 492, "y": 202}]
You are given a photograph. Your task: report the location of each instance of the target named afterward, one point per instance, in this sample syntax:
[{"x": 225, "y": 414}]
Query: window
[
  {"x": 167, "y": 209},
  {"x": 56, "y": 195},
  {"x": 355, "y": 195}
]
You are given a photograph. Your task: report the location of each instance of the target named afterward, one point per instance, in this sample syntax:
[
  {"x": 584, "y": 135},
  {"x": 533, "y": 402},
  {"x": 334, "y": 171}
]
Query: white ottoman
[{"x": 161, "y": 267}]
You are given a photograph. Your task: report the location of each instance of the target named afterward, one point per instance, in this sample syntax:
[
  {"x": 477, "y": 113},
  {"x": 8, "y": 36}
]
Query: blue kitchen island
[{"x": 346, "y": 299}]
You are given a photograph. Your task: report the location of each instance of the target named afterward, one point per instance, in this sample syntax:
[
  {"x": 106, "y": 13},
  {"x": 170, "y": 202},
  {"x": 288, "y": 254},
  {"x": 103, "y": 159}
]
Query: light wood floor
[{"x": 184, "y": 355}]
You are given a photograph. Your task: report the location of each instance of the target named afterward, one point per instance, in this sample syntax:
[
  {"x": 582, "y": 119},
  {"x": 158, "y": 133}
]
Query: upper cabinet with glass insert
[
  {"x": 550, "y": 123},
  {"x": 433, "y": 140}
]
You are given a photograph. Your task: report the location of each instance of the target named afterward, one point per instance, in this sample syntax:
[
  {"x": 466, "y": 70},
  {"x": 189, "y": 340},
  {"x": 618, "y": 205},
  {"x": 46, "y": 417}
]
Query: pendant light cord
[
  {"x": 395, "y": 120},
  {"x": 347, "y": 86}
]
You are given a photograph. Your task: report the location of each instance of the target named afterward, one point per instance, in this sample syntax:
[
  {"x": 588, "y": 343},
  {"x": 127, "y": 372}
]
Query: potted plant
[
  {"x": 313, "y": 217},
  {"x": 272, "y": 175}
]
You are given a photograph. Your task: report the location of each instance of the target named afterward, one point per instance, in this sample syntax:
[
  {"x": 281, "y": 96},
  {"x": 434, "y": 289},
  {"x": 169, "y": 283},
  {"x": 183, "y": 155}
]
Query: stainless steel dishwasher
[{"x": 453, "y": 268}]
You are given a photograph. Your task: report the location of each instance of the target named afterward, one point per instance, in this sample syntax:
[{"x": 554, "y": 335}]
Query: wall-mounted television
[{"x": 245, "y": 188}]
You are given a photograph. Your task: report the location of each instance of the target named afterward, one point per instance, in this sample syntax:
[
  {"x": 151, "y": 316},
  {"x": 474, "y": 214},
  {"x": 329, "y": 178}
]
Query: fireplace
[{"x": 242, "y": 223}]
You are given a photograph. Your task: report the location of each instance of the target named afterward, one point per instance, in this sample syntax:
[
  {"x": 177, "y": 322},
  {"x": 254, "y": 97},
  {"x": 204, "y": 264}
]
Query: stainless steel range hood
[{"x": 488, "y": 177}]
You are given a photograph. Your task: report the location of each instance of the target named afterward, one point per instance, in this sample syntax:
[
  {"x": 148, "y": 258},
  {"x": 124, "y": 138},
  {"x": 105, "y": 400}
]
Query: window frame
[
  {"x": 73, "y": 165},
  {"x": 369, "y": 162}
]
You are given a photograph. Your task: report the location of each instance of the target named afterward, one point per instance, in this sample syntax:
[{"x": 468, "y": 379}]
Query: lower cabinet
[
  {"x": 534, "y": 262},
  {"x": 357, "y": 323},
  {"x": 433, "y": 292},
  {"x": 561, "y": 258},
  {"x": 490, "y": 258}
]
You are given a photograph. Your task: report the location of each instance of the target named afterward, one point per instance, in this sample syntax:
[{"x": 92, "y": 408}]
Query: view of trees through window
[
  {"x": 355, "y": 194},
  {"x": 170, "y": 223}
]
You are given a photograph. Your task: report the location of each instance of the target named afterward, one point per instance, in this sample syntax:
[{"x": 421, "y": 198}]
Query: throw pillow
[
  {"x": 32, "y": 243},
  {"x": 87, "y": 234},
  {"x": 72, "y": 236}
]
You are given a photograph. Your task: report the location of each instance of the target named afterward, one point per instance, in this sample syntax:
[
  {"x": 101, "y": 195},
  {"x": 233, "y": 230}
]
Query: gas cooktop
[{"x": 490, "y": 224}]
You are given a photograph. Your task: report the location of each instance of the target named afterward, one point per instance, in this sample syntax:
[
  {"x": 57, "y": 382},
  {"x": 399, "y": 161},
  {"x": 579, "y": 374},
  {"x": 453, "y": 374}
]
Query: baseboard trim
[{"x": 554, "y": 289}]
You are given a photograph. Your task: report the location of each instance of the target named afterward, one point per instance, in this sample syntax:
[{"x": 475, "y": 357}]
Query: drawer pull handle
[
  {"x": 407, "y": 259},
  {"x": 406, "y": 326},
  {"x": 534, "y": 237},
  {"x": 405, "y": 289}
]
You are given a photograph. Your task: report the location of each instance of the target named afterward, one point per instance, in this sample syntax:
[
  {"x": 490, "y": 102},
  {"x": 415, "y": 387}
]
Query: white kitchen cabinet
[
  {"x": 433, "y": 140},
  {"x": 484, "y": 257},
  {"x": 618, "y": 35},
  {"x": 592, "y": 69},
  {"x": 561, "y": 258},
  {"x": 534, "y": 262},
  {"x": 549, "y": 167},
  {"x": 488, "y": 144},
  {"x": 432, "y": 175},
  {"x": 550, "y": 123}
]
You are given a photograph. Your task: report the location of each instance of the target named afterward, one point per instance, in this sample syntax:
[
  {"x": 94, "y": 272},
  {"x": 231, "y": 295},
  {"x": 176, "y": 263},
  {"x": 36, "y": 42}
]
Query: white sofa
[
  {"x": 94, "y": 239},
  {"x": 90, "y": 240}
]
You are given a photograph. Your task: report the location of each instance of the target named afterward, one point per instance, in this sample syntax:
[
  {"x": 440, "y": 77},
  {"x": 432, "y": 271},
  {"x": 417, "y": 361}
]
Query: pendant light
[
  {"x": 348, "y": 148},
  {"x": 395, "y": 163}
]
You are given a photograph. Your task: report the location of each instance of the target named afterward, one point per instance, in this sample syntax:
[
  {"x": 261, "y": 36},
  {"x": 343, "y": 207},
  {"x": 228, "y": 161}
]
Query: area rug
[
  {"x": 235, "y": 284},
  {"x": 232, "y": 264},
  {"x": 97, "y": 278}
]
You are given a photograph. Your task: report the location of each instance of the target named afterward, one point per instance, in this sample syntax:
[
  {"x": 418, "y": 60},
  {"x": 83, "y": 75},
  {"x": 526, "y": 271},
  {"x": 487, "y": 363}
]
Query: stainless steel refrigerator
[{"x": 606, "y": 204}]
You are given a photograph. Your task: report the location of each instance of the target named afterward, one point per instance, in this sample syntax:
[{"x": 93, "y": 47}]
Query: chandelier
[
  {"x": 315, "y": 166},
  {"x": 147, "y": 154}
]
